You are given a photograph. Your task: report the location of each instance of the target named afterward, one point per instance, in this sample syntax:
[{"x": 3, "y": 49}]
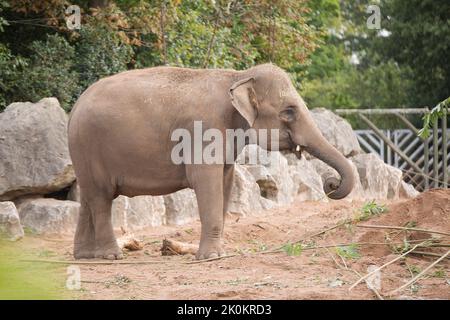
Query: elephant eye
[{"x": 288, "y": 115}]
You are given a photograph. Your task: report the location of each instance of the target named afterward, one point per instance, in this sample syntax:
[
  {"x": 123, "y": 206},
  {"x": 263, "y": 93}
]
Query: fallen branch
[
  {"x": 279, "y": 249},
  {"x": 402, "y": 228},
  {"x": 423, "y": 253},
  {"x": 384, "y": 265},
  {"x": 413, "y": 280},
  {"x": 172, "y": 247},
  {"x": 213, "y": 259},
  {"x": 104, "y": 262}
]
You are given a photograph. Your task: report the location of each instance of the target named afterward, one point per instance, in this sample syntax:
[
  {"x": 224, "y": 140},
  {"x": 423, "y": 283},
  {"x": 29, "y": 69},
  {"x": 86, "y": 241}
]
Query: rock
[
  {"x": 34, "y": 156},
  {"x": 337, "y": 131},
  {"x": 74, "y": 192},
  {"x": 282, "y": 177},
  {"x": 47, "y": 215},
  {"x": 271, "y": 172},
  {"x": 268, "y": 187},
  {"x": 181, "y": 207},
  {"x": 131, "y": 213},
  {"x": 325, "y": 171},
  {"x": 245, "y": 196},
  {"x": 379, "y": 180},
  {"x": 10, "y": 227},
  {"x": 407, "y": 191},
  {"x": 138, "y": 212},
  {"x": 307, "y": 182}
]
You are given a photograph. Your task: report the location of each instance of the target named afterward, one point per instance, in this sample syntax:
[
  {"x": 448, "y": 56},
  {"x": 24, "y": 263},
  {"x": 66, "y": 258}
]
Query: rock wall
[{"x": 35, "y": 163}]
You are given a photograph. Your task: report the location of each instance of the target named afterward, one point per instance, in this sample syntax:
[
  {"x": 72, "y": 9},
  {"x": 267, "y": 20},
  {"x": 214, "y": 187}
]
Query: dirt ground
[{"x": 321, "y": 273}]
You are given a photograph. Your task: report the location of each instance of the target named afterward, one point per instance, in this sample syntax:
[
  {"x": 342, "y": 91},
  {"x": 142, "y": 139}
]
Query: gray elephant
[{"x": 120, "y": 142}]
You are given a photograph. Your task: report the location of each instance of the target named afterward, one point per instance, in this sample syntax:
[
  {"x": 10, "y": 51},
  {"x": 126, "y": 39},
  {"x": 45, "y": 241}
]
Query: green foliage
[
  {"x": 10, "y": 68},
  {"x": 432, "y": 116},
  {"x": 99, "y": 53},
  {"x": 312, "y": 39},
  {"x": 420, "y": 39},
  {"x": 133, "y": 34},
  {"x": 293, "y": 249},
  {"x": 348, "y": 252},
  {"x": 369, "y": 210},
  {"x": 3, "y": 22},
  {"x": 49, "y": 72}
]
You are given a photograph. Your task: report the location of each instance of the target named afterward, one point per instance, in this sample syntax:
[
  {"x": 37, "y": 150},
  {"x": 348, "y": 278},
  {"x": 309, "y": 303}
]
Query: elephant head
[{"x": 266, "y": 98}]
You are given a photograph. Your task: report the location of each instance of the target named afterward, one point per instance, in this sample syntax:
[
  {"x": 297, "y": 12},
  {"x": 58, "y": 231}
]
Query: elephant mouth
[{"x": 295, "y": 148}]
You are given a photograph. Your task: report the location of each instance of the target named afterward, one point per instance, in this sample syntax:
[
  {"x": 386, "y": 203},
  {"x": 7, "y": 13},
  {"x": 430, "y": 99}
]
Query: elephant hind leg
[
  {"x": 84, "y": 243},
  {"x": 95, "y": 237}
]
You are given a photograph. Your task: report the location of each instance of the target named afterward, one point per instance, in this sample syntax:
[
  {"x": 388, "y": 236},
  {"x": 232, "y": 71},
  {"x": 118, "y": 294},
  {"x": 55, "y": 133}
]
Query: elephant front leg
[
  {"x": 207, "y": 182},
  {"x": 228, "y": 178}
]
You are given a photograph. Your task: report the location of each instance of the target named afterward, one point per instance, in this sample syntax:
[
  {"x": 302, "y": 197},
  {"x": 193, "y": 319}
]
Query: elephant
[{"x": 120, "y": 142}]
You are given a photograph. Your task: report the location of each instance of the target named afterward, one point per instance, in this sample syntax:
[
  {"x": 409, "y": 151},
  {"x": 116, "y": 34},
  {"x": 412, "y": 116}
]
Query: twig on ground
[
  {"x": 384, "y": 265},
  {"x": 423, "y": 253},
  {"x": 213, "y": 259},
  {"x": 173, "y": 247},
  {"x": 402, "y": 228},
  {"x": 413, "y": 280},
  {"x": 111, "y": 262}
]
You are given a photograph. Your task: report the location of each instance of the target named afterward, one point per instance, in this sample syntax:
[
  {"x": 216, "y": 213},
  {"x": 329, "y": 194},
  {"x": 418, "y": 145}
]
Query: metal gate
[{"x": 424, "y": 162}]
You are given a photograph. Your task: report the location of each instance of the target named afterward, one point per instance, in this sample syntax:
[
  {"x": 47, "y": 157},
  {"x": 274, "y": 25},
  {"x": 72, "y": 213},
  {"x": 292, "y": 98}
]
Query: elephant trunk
[{"x": 316, "y": 145}]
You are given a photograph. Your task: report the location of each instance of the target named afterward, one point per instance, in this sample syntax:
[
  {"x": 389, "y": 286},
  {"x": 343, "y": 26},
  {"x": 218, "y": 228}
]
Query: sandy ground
[{"x": 323, "y": 273}]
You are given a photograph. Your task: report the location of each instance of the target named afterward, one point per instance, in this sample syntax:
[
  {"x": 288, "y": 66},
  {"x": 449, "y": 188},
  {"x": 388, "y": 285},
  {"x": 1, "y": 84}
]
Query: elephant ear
[{"x": 243, "y": 98}]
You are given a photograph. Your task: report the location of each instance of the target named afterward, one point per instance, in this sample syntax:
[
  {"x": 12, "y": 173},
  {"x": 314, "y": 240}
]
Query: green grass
[{"x": 26, "y": 280}]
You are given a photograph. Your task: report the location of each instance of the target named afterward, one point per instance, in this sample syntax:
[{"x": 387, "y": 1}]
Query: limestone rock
[
  {"x": 181, "y": 207},
  {"x": 34, "y": 156},
  {"x": 245, "y": 196},
  {"x": 10, "y": 227},
  {"x": 336, "y": 131},
  {"x": 307, "y": 182},
  {"x": 47, "y": 215},
  {"x": 379, "y": 180},
  {"x": 138, "y": 212},
  {"x": 407, "y": 190}
]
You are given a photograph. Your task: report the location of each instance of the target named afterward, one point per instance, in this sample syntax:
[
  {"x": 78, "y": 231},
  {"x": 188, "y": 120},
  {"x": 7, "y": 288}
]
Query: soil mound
[{"x": 430, "y": 210}]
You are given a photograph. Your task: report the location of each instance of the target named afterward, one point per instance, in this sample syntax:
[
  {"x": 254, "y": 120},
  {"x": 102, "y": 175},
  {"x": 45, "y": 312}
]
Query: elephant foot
[
  {"x": 84, "y": 251},
  {"x": 109, "y": 252},
  {"x": 209, "y": 251}
]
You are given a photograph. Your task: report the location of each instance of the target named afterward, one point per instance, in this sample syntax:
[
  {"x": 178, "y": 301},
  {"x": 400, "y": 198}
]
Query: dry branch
[
  {"x": 421, "y": 274},
  {"x": 402, "y": 228},
  {"x": 172, "y": 247},
  {"x": 384, "y": 265}
]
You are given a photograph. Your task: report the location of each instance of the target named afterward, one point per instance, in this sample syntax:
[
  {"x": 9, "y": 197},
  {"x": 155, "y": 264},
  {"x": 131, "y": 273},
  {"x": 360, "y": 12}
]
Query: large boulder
[
  {"x": 181, "y": 207},
  {"x": 282, "y": 177},
  {"x": 131, "y": 213},
  {"x": 407, "y": 191},
  {"x": 46, "y": 215},
  {"x": 245, "y": 198},
  {"x": 307, "y": 182},
  {"x": 336, "y": 131},
  {"x": 34, "y": 157},
  {"x": 10, "y": 227},
  {"x": 270, "y": 170},
  {"x": 379, "y": 180},
  {"x": 138, "y": 212}
]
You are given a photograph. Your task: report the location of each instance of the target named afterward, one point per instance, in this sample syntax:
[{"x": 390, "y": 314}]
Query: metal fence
[{"x": 424, "y": 162}]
